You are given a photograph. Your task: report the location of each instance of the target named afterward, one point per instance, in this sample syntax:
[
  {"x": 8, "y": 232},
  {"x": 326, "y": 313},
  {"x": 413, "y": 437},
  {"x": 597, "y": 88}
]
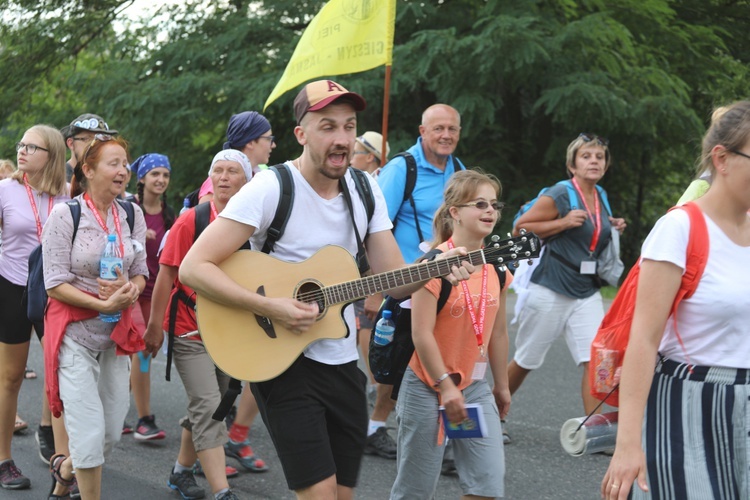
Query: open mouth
[{"x": 338, "y": 158}]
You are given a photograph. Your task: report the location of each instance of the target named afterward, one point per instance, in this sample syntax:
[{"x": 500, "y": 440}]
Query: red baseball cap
[{"x": 317, "y": 95}]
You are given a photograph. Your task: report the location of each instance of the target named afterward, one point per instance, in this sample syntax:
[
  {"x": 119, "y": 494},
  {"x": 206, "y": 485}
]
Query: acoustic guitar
[{"x": 251, "y": 347}]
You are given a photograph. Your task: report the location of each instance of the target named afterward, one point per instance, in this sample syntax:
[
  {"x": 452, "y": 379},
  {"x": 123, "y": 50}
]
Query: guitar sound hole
[{"x": 310, "y": 292}]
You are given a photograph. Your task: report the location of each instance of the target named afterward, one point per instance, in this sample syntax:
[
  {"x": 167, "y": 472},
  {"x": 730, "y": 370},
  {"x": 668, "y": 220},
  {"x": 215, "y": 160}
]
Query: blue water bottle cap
[
  {"x": 111, "y": 237},
  {"x": 387, "y": 314}
]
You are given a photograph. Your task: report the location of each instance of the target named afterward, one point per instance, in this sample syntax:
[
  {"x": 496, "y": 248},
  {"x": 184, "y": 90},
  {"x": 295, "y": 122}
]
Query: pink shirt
[{"x": 19, "y": 227}]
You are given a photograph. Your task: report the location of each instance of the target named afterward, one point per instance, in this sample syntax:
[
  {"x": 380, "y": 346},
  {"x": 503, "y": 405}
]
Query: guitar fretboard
[{"x": 361, "y": 288}]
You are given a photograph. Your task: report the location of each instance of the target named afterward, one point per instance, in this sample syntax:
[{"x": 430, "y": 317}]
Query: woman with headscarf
[
  {"x": 153, "y": 172},
  {"x": 26, "y": 200},
  {"x": 202, "y": 436},
  {"x": 249, "y": 132}
]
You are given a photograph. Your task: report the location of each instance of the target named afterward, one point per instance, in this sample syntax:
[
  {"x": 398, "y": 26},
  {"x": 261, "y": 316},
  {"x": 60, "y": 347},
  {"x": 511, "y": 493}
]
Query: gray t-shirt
[{"x": 572, "y": 246}]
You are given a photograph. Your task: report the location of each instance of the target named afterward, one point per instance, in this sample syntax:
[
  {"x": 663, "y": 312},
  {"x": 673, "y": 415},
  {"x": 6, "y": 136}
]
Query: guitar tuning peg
[
  {"x": 503, "y": 268},
  {"x": 509, "y": 235},
  {"x": 514, "y": 256},
  {"x": 530, "y": 262},
  {"x": 522, "y": 231},
  {"x": 495, "y": 238},
  {"x": 500, "y": 260},
  {"x": 514, "y": 264}
]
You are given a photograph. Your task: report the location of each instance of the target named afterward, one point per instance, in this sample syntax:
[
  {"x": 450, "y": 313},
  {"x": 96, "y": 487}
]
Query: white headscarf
[{"x": 235, "y": 156}]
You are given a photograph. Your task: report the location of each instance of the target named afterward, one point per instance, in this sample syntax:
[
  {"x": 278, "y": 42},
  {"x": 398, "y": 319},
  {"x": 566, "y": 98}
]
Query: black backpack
[
  {"x": 35, "y": 296},
  {"x": 411, "y": 182},
  {"x": 388, "y": 362}
]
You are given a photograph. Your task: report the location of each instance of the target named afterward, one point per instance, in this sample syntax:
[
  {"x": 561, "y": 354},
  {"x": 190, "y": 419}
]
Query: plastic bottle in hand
[
  {"x": 384, "y": 329},
  {"x": 185, "y": 205},
  {"x": 111, "y": 260}
]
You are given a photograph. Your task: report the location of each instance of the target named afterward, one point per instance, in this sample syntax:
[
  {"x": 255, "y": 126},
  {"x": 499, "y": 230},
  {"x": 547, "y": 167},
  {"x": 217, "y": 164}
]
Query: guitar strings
[{"x": 357, "y": 287}]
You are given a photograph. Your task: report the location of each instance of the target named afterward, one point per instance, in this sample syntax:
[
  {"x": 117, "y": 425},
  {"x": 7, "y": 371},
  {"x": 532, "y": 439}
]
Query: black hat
[{"x": 87, "y": 122}]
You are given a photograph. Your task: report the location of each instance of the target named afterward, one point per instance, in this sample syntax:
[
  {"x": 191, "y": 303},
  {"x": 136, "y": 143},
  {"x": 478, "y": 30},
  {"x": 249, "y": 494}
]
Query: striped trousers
[{"x": 696, "y": 433}]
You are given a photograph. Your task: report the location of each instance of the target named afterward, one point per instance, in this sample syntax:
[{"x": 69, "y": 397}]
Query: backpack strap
[
  {"x": 178, "y": 296},
  {"x": 364, "y": 190},
  {"x": 362, "y": 264},
  {"x": 202, "y": 219},
  {"x": 605, "y": 199},
  {"x": 75, "y": 212},
  {"x": 129, "y": 211},
  {"x": 695, "y": 263},
  {"x": 283, "y": 209},
  {"x": 227, "y": 400}
]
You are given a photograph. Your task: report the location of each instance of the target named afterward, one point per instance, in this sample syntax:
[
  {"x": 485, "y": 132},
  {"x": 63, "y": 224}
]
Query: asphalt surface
[{"x": 536, "y": 466}]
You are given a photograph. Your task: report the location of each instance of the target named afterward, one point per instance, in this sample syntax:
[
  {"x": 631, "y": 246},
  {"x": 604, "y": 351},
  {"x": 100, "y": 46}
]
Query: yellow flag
[{"x": 346, "y": 36}]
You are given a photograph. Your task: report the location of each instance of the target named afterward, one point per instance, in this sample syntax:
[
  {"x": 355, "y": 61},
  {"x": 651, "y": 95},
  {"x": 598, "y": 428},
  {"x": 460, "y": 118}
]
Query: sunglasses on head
[
  {"x": 97, "y": 137},
  {"x": 483, "y": 205},
  {"x": 603, "y": 141}
]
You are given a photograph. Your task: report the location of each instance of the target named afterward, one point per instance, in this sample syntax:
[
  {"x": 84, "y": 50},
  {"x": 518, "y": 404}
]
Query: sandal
[
  {"x": 29, "y": 373},
  {"x": 20, "y": 425},
  {"x": 55, "y": 466}
]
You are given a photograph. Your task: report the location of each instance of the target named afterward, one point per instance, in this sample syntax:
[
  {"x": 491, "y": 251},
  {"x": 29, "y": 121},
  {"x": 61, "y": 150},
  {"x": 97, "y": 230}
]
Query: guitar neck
[{"x": 361, "y": 288}]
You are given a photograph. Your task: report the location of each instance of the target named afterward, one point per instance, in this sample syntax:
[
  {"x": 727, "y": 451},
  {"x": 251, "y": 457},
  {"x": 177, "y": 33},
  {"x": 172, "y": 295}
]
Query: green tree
[{"x": 527, "y": 75}]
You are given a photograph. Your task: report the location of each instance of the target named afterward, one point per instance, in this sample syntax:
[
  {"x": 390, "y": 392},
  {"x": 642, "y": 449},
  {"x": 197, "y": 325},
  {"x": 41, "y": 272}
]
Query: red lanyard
[
  {"x": 595, "y": 218},
  {"x": 102, "y": 224},
  {"x": 213, "y": 210},
  {"x": 34, "y": 209},
  {"x": 477, "y": 323}
]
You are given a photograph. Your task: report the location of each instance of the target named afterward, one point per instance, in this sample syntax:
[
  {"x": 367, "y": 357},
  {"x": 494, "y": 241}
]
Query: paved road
[{"x": 537, "y": 467}]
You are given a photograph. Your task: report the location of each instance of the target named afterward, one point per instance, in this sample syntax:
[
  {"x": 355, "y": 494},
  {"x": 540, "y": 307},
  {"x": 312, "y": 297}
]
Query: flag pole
[{"x": 386, "y": 99}]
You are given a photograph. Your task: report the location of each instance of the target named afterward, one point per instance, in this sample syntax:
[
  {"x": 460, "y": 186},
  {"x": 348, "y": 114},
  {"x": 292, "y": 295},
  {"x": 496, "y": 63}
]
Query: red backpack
[{"x": 611, "y": 340}]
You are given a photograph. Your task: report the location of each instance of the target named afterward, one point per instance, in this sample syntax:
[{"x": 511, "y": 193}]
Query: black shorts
[
  {"x": 15, "y": 327},
  {"x": 317, "y": 417}
]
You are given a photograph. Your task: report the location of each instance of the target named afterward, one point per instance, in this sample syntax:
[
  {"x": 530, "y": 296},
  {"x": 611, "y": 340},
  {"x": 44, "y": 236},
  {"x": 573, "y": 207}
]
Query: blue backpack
[{"x": 572, "y": 197}]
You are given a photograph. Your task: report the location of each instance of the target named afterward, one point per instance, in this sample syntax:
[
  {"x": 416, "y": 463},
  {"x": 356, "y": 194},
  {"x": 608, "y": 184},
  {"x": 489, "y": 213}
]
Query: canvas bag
[{"x": 609, "y": 267}]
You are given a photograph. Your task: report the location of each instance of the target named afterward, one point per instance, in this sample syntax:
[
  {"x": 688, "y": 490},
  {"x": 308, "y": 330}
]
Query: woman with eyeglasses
[
  {"x": 26, "y": 200},
  {"x": 452, "y": 349},
  {"x": 563, "y": 295},
  {"x": 86, "y": 359},
  {"x": 683, "y": 425}
]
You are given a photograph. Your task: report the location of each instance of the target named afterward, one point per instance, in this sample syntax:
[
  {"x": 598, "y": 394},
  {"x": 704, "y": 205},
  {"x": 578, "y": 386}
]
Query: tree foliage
[{"x": 526, "y": 75}]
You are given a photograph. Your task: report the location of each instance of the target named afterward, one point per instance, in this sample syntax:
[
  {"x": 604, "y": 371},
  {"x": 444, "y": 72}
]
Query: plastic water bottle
[
  {"x": 185, "y": 205},
  {"x": 144, "y": 357},
  {"x": 384, "y": 329},
  {"x": 111, "y": 260}
]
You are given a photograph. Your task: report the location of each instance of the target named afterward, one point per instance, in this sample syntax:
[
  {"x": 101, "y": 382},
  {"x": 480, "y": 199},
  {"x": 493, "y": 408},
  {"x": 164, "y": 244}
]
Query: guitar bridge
[{"x": 263, "y": 321}]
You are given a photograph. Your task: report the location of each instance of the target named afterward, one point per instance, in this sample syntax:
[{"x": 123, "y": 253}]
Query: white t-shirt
[
  {"x": 313, "y": 223},
  {"x": 715, "y": 322}
]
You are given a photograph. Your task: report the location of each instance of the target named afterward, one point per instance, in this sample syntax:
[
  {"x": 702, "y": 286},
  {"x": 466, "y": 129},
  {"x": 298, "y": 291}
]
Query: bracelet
[{"x": 440, "y": 380}]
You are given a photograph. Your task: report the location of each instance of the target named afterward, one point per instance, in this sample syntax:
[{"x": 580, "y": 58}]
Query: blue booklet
[{"x": 473, "y": 427}]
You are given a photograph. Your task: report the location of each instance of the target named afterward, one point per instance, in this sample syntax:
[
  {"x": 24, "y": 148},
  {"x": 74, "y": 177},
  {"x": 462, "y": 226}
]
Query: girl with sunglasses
[
  {"x": 563, "y": 295},
  {"x": 453, "y": 348}
]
